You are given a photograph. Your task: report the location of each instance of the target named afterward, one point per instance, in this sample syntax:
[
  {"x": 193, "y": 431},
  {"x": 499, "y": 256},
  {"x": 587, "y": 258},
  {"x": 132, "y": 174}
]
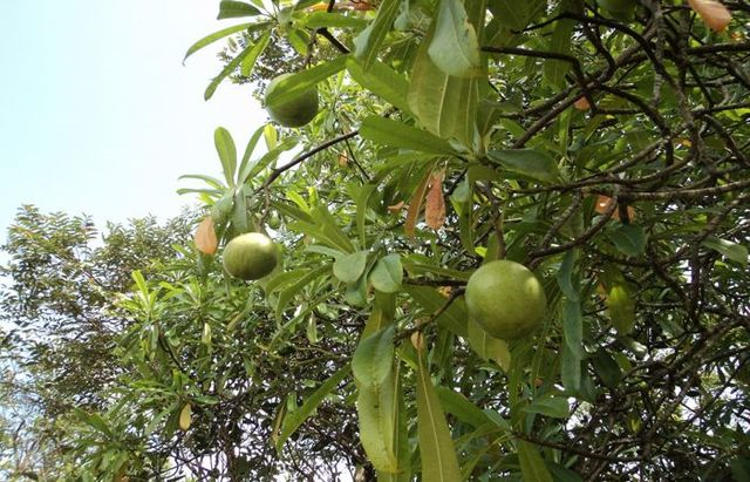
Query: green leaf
[
  {"x": 516, "y": 15},
  {"x": 233, "y": 9},
  {"x": 730, "y": 250},
  {"x": 460, "y": 407},
  {"x": 382, "y": 314},
  {"x": 532, "y": 464},
  {"x": 378, "y": 412},
  {"x": 487, "y": 346},
  {"x": 740, "y": 466},
  {"x": 621, "y": 309},
  {"x": 527, "y": 162},
  {"x": 350, "y": 267},
  {"x": 289, "y": 293},
  {"x": 293, "y": 420},
  {"x": 317, "y": 20},
  {"x": 397, "y": 134},
  {"x": 387, "y": 274},
  {"x": 445, "y": 105},
  {"x": 228, "y": 69},
  {"x": 439, "y": 461},
  {"x": 551, "y": 406},
  {"x": 607, "y": 369},
  {"x": 227, "y": 153},
  {"x": 242, "y": 172},
  {"x": 373, "y": 358},
  {"x": 454, "y": 48},
  {"x": 368, "y": 42},
  {"x": 559, "y": 42},
  {"x": 573, "y": 327},
  {"x": 453, "y": 318},
  {"x": 382, "y": 81},
  {"x": 565, "y": 275},
  {"x": 570, "y": 369},
  {"x": 211, "y": 38},
  {"x": 561, "y": 474},
  {"x": 629, "y": 239},
  {"x": 247, "y": 64},
  {"x": 292, "y": 86}
]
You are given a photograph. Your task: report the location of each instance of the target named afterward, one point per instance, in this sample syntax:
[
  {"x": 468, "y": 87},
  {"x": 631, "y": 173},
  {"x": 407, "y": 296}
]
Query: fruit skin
[
  {"x": 295, "y": 112},
  {"x": 506, "y": 299},
  {"x": 250, "y": 256}
]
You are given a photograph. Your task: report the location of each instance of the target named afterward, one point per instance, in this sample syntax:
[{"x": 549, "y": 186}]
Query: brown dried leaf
[
  {"x": 415, "y": 205},
  {"x": 434, "y": 211},
  {"x": 602, "y": 206},
  {"x": 205, "y": 237},
  {"x": 713, "y": 13},
  {"x": 343, "y": 159},
  {"x": 582, "y": 103},
  {"x": 395, "y": 208}
]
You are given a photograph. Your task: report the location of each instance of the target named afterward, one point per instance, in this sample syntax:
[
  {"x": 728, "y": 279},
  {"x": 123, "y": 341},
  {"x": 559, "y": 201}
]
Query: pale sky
[{"x": 99, "y": 115}]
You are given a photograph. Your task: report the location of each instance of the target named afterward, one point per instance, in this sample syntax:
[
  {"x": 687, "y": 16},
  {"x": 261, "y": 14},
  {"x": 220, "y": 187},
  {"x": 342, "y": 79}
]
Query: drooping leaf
[
  {"x": 373, "y": 358},
  {"x": 382, "y": 81},
  {"x": 233, "y": 9},
  {"x": 295, "y": 419},
  {"x": 487, "y": 346},
  {"x": 436, "y": 449},
  {"x": 629, "y": 239},
  {"x": 387, "y": 274},
  {"x": 434, "y": 210},
  {"x": 527, "y": 162},
  {"x": 350, "y": 267},
  {"x": 368, "y": 42},
  {"x": 209, "y": 39},
  {"x": 397, "y": 134},
  {"x": 621, "y": 308},
  {"x": 532, "y": 464},
  {"x": 415, "y": 204},
  {"x": 713, "y": 12},
  {"x": 454, "y": 48},
  {"x": 733, "y": 251},
  {"x": 205, "y": 237}
]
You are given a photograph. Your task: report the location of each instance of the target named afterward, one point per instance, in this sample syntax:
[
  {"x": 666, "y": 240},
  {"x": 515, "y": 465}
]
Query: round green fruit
[
  {"x": 506, "y": 299},
  {"x": 250, "y": 256},
  {"x": 296, "y": 111}
]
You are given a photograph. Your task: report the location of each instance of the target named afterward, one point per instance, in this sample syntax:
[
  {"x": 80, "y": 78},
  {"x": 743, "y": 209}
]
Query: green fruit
[
  {"x": 296, "y": 111},
  {"x": 250, "y": 256},
  {"x": 506, "y": 299}
]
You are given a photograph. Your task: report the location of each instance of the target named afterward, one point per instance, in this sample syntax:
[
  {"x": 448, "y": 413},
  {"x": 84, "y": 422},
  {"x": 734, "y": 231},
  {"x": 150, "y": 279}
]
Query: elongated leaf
[
  {"x": 573, "y": 327},
  {"x": 552, "y": 406},
  {"x": 377, "y": 408},
  {"x": 460, "y": 407},
  {"x": 382, "y": 81},
  {"x": 434, "y": 210},
  {"x": 713, "y": 13},
  {"x": 209, "y": 39},
  {"x": 292, "y": 86},
  {"x": 289, "y": 293},
  {"x": 227, "y": 153},
  {"x": 415, "y": 204},
  {"x": 570, "y": 369},
  {"x": 735, "y": 252},
  {"x": 621, "y": 309},
  {"x": 367, "y": 43},
  {"x": 247, "y": 64},
  {"x": 565, "y": 275},
  {"x": 233, "y": 9},
  {"x": 629, "y": 239},
  {"x": 455, "y": 48},
  {"x": 373, "y": 358},
  {"x": 333, "y": 20},
  {"x": 249, "y": 148},
  {"x": 445, "y": 105},
  {"x": 532, "y": 464},
  {"x": 397, "y": 134},
  {"x": 387, "y": 274},
  {"x": 293, "y": 420},
  {"x": 453, "y": 318},
  {"x": 350, "y": 267},
  {"x": 439, "y": 461},
  {"x": 488, "y": 347},
  {"x": 228, "y": 69},
  {"x": 205, "y": 237},
  {"x": 559, "y": 42},
  {"x": 382, "y": 314},
  {"x": 527, "y": 162}
]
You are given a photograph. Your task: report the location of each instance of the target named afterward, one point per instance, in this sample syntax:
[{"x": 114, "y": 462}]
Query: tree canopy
[{"x": 600, "y": 144}]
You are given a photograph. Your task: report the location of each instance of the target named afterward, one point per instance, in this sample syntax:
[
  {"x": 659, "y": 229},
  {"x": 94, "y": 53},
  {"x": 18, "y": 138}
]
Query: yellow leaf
[
  {"x": 185, "y": 417},
  {"x": 713, "y": 13},
  {"x": 434, "y": 211},
  {"x": 205, "y": 237}
]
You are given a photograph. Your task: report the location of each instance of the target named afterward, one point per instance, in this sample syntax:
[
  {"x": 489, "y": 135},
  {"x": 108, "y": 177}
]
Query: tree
[{"x": 600, "y": 144}]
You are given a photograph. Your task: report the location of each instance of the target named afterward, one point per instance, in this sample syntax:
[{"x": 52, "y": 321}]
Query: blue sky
[{"x": 99, "y": 115}]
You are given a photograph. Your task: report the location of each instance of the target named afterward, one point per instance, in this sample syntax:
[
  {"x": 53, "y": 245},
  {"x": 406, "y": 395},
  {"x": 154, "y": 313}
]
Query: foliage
[{"x": 601, "y": 144}]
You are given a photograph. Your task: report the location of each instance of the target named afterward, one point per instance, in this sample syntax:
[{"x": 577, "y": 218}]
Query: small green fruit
[
  {"x": 250, "y": 256},
  {"x": 506, "y": 299},
  {"x": 296, "y": 111}
]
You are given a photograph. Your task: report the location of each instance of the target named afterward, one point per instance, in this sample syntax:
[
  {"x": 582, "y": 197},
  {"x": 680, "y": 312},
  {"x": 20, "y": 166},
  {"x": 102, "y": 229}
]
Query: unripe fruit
[
  {"x": 506, "y": 299},
  {"x": 250, "y": 256},
  {"x": 296, "y": 111}
]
